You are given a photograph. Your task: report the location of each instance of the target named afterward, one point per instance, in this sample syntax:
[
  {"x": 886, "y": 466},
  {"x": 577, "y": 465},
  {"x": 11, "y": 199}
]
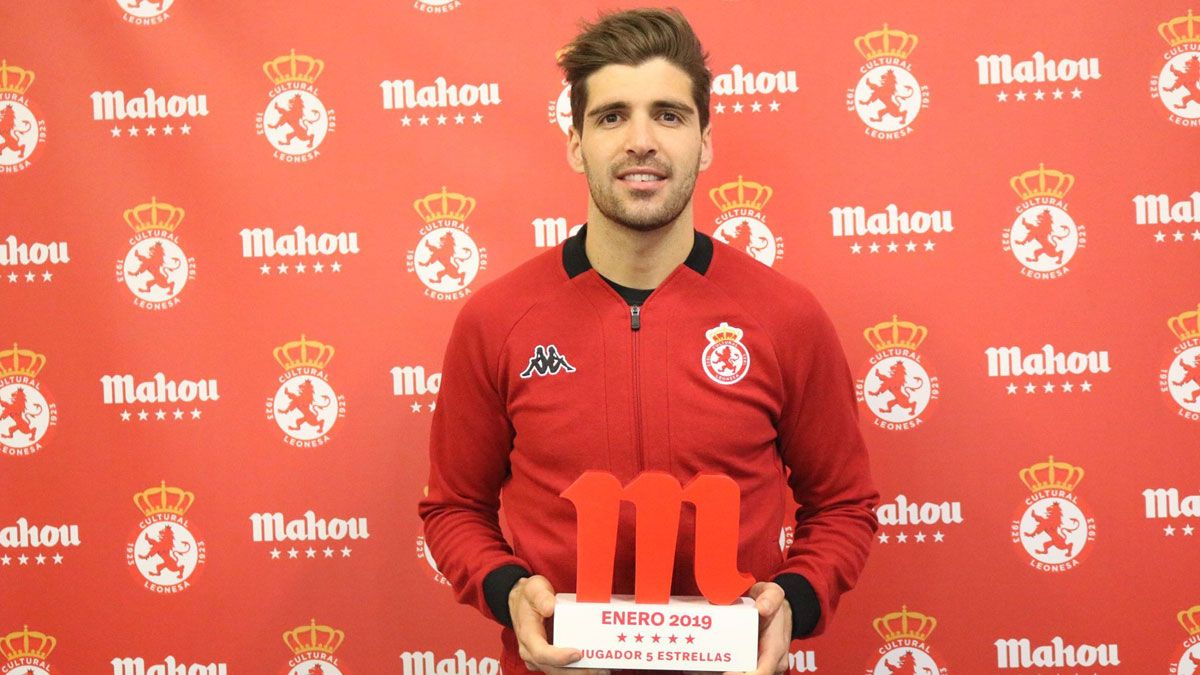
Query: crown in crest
[
  {"x": 741, "y": 194},
  {"x": 1051, "y": 474},
  {"x": 163, "y": 499},
  {"x": 1181, "y": 30},
  {"x": 723, "y": 333},
  {"x": 14, "y": 79},
  {"x": 17, "y": 361},
  {"x": 905, "y": 624},
  {"x": 1042, "y": 182},
  {"x": 293, "y": 67},
  {"x": 1190, "y": 620},
  {"x": 444, "y": 206},
  {"x": 1187, "y": 325},
  {"x": 895, "y": 333},
  {"x": 313, "y": 638},
  {"x": 26, "y": 644},
  {"x": 304, "y": 352},
  {"x": 885, "y": 42},
  {"x": 154, "y": 215}
]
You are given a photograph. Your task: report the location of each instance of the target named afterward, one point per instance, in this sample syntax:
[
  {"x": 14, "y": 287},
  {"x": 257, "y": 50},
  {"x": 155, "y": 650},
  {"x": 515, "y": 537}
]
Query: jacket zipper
[{"x": 635, "y": 325}]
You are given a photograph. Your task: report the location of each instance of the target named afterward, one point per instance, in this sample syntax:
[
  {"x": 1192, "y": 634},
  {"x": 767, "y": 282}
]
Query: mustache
[{"x": 647, "y": 163}]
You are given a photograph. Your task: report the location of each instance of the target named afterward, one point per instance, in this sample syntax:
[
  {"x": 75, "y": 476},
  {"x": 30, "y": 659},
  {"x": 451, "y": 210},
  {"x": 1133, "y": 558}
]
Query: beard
[{"x": 639, "y": 212}]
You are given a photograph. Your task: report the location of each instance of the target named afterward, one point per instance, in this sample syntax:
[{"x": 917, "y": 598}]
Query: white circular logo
[
  {"x": 25, "y": 416},
  {"x": 1189, "y": 661},
  {"x": 725, "y": 360},
  {"x": 1179, "y": 85},
  {"x": 905, "y": 660},
  {"x": 562, "y": 110},
  {"x": 1054, "y": 531},
  {"x": 751, "y": 236},
  {"x": 295, "y": 122},
  {"x": 145, "y": 9},
  {"x": 156, "y": 269},
  {"x": 19, "y": 135},
  {"x": 305, "y": 407},
  {"x": 315, "y": 667},
  {"x": 887, "y": 98},
  {"x": 1183, "y": 379},
  {"x": 897, "y": 389},
  {"x": 166, "y": 553},
  {"x": 1043, "y": 238},
  {"x": 27, "y": 669},
  {"x": 446, "y": 260}
]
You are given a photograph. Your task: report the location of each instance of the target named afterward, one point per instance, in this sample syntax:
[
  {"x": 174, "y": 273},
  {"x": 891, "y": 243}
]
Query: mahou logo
[
  {"x": 1039, "y": 72},
  {"x": 1044, "y": 237},
  {"x": 742, "y": 223},
  {"x": 1181, "y": 378},
  {"x": 888, "y": 96},
  {"x": 441, "y": 98},
  {"x": 325, "y": 533},
  {"x": 1188, "y": 661},
  {"x": 550, "y": 232},
  {"x": 115, "y": 106},
  {"x": 26, "y": 413},
  {"x": 22, "y": 131},
  {"x": 892, "y": 224},
  {"x": 1022, "y": 653},
  {"x": 425, "y": 663},
  {"x": 155, "y": 269},
  {"x": 305, "y": 406},
  {"x": 446, "y": 258},
  {"x": 903, "y": 520},
  {"x": 25, "y": 652},
  {"x": 740, "y": 90},
  {"x": 1055, "y": 528},
  {"x": 29, "y": 540},
  {"x": 313, "y": 647},
  {"x": 295, "y": 121},
  {"x": 1158, "y": 209},
  {"x": 413, "y": 384},
  {"x": 905, "y": 652},
  {"x": 128, "y": 393},
  {"x": 165, "y": 552},
  {"x": 31, "y": 255},
  {"x": 1014, "y": 364},
  {"x": 329, "y": 249},
  {"x": 1168, "y": 504},
  {"x": 898, "y": 388},
  {"x": 145, "y": 12},
  {"x": 169, "y": 666},
  {"x": 1177, "y": 84}
]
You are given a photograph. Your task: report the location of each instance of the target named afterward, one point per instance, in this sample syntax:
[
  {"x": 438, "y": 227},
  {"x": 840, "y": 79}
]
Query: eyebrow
[{"x": 662, "y": 104}]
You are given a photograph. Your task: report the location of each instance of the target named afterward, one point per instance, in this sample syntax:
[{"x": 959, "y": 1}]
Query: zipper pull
[{"x": 635, "y": 317}]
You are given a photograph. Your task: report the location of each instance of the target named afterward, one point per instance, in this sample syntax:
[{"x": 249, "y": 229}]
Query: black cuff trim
[
  {"x": 806, "y": 608},
  {"x": 496, "y": 587}
]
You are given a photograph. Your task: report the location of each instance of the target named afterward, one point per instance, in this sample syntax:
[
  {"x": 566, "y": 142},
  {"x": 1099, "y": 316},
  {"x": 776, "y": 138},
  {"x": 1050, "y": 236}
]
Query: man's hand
[
  {"x": 530, "y": 603},
  {"x": 774, "y": 628}
]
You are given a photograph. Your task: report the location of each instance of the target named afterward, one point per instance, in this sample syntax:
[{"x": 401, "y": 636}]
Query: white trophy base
[{"x": 687, "y": 633}]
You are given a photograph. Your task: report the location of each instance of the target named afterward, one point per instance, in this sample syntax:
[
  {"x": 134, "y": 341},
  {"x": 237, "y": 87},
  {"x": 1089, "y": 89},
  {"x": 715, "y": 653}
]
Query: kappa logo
[
  {"x": 1181, "y": 378},
  {"x": 725, "y": 359},
  {"x": 1188, "y": 661},
  {"x": 312, "y": 648},
  {"x": 26, "y": 413},
  {"x": 742, "y": 223},
  {"x": 446, "y": 259},
  {"x": 145, "y": 12},
  {"x": 888, "y": 97},
  {"x": 36, "y": 254},
  {"x": 295, "y": 121},
  {"x": 898, "y": 388},
  {"x": 22, "y": 131},
  {"x": 1054, "y": 528},
  {"x": 1044, "y": 237},
  {"x": 155, "y": 269},
  {"x": 1177, "y": 84},
  {"x": 165, "y": 552},
  {"x": 25, "y": 652},
  {"x": 905, "y": 652},
  {"x": 546, "y": 361},
  {"x": 305, "y": 406}
]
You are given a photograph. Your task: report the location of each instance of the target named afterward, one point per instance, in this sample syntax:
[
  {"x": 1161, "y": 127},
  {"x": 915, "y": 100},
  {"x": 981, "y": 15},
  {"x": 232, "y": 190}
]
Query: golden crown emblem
[
  {"x": 741, "y": 194},
  {"x": 1187, "y": 325},
  {"x": 313, "y": 638},
  {"x": 1042, "y": 182},
  {"x": 14, "y": 79},
  {"x": 905, "y": 624},
  {"x": 304, "y": 352},
  {"x": 26, "y": 644},
  {"x": 17, "y": 361},
  {"x": 1190, "y": 620},
  {"x": 154, "y": 215},
  {"x": 885, "y": 42},
  {"x": 163, "y": 499},
  {"x": 1051, "y": 474},
  {"x": 293, "y": 67},
  {"x": 444, "y": 206},
  {"x": 723, "y": 333},
  {"x": 1181, "y": 30},
  {"x": 895, "y": 333}
]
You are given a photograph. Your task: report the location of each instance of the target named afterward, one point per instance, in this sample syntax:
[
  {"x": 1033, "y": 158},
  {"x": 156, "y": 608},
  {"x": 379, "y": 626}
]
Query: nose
[{"x": 641, "y": 139}]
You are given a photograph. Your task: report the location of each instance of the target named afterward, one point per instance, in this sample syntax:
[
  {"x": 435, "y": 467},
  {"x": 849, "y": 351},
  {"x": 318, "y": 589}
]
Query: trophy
[{"x": 651, "y": 630}]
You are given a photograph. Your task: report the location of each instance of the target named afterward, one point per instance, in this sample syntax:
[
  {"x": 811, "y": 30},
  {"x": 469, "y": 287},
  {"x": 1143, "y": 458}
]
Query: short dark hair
[{"x": 631, "y": 38}]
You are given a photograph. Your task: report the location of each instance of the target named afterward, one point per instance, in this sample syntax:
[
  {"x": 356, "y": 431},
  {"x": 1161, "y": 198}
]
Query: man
[{"x": 640, "y": 344}]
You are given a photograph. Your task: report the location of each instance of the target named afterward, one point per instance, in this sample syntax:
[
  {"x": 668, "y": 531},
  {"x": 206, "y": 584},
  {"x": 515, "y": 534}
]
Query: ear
[
  {"x": 575, "y": 150},
  {"x": 706, "y": 150}
]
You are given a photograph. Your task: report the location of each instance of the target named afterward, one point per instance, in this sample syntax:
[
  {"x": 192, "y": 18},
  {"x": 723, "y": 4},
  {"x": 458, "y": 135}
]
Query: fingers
[
  {"x": 540, "y": 595},
  {"x": 768, "y": 597},
  {"x": 531, "y": 602}
]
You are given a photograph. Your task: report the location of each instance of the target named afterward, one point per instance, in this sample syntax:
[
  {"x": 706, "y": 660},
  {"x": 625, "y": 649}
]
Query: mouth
[{"x": 642, "y": 178}]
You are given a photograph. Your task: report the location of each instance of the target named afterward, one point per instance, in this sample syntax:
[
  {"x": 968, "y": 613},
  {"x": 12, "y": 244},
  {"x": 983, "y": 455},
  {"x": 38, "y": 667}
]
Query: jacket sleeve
[
  {"x": 469, "y": 445},
  {"x": 828, "y": 473}
]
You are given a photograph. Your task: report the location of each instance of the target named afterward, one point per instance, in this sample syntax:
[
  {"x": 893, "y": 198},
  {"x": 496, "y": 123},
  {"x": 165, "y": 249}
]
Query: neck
[{"x": 635, "y": 258}]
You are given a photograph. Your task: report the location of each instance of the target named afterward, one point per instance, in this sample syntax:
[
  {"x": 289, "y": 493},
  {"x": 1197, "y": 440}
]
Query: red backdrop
[{"x": 183, "y": 276}]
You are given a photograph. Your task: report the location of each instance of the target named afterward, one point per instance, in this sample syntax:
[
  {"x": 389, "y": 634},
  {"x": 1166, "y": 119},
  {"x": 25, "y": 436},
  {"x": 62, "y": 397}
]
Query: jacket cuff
[
  {"x": 498, "y": 584},
  {"x": 806, "y": 609}
]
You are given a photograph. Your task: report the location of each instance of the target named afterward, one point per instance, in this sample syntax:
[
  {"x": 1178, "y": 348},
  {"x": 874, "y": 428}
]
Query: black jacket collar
[{"x": 575, "y": 260}]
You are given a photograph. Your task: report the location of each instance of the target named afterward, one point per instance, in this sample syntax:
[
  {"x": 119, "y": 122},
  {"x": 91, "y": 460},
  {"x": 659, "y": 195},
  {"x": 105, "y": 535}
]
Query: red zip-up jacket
[{"x": 549, "y": 373}]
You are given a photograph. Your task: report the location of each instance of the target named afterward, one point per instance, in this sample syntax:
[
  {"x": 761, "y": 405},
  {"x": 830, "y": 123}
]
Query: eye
[
  {"x": 610, "y": 118},
  {"x": 670, "y": 117}
]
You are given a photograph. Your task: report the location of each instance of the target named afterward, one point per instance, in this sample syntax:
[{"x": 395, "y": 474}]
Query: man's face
[{"x": 641, "y": 145}]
